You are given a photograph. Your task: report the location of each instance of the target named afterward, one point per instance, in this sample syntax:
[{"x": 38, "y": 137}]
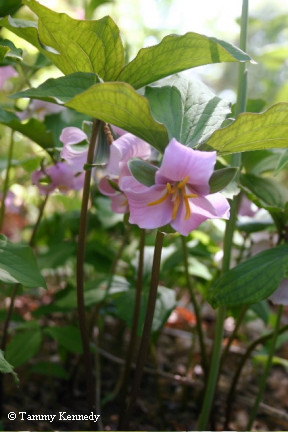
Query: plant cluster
[{"x": 137, "y": 186}]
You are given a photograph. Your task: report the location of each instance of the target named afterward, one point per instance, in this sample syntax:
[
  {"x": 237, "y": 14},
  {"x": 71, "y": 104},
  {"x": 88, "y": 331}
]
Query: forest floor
[{"x": 171, "y": 389}]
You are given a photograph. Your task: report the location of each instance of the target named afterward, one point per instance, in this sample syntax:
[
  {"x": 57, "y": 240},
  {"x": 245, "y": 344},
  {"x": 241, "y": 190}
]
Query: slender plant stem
[
  {"x": 267, "y": 368},
  {"x": 80, "y": 269},
  {"x": 196, "y": 308},
  {"x": 6, "y": 181},
  {"x": 228, "y": 241},
  {"x": 145, "y": 339},
  {"x": 133, "y": 335},
  {"x": 250, "y": 349}
]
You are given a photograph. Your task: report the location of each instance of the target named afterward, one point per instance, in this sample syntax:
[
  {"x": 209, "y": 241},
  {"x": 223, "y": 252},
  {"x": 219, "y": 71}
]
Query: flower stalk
[
  {"x": 145, "y": 339},
  {"x": 80, "y": 269}
]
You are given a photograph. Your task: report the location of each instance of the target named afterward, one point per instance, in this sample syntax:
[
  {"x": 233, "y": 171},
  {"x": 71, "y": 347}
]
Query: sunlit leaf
[
  {"x": 177, "y": 53},
  {"x": 190, "y": 111},
  {"x": 79, "y": 45},
  {"x": 120, "y": 105},
  {"x": 251, "y": 281},
  {"x": 61, "y": 89},
  {"x": 252, "y": 131}
]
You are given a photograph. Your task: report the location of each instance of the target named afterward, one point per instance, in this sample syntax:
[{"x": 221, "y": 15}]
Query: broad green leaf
[
  {"x": 23, "y": 346},
  {"x": 120, "y": 105},
  {"x": 251, "y": 281},
  {"x": 60, "y": 90},
  {"x": 6, "y": 367},
  {"x": 252, "y": 131},
  {"x": 268, "y": 191},
  {"x": 221, "y": 178},
  {"x": 143, "y": 171},
  {"x": 68, "y": 336},
  {"x": 177, "y": 53},
  {"x": 18, "y": 265},
  {"x": 189, "y": 110},
  {"x": 33, "y": 129},
  {"x": 25, "y": 29},
  {"x": 79, "y": 45}
]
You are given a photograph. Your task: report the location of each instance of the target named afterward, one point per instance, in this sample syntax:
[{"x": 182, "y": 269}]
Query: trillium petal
[
  {"x": 75, "y": 158},
  {"x": 124, "y": 148},
  {"x": 72, "y": 135},
  {"x": 180, "y": 161},
  {"x": 143, "y": 212},
  {"x": 201, "y": 208},
  {"x": 119, "y": 203}
]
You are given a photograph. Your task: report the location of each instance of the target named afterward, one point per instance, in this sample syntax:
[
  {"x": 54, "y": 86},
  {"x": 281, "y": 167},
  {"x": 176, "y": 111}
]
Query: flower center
[{"x": 176, "y": 192}]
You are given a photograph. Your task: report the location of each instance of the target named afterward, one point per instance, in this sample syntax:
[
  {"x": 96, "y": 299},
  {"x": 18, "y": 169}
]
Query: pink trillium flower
[
  {"x": 75, "y": 156},
  {"x": 181, "y": 193},
  {"x": 121, "y": 151},
  {"x": 6, "y": 72},
  {"x": 59, "y": 176}
]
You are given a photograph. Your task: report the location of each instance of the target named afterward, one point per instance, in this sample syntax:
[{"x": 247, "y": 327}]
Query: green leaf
[
  {"x": 11, "y": 51},
  {"x": 251, "y": 281},
  {"x": 177, "y": 53},
  {"x": 33, "y": 129},
  {"x": 49, "y": 369},
  {"x": 25, "y": 29},
  {"x": 252, "y": 131},
  {"x": 60, "y": 90},
  {"x": 23, "y": 346},
  {"x": 189, "y": 110},
  {"x": 268, "y": 191},
  {"x": 165, "y": 303},
  {"x": 282, "y": 162},
  {"x": 6, "y": 367},
  {"x": 68, "y": 336},
  {"x": 120, "y": 105},
  {"x": 221, "y": 178},
  {"x": 143, "y": 171},
  {"x": 79, "y": 45},
  {"x": 9, "y": 7},
  {"x": 18, "y": 265}
]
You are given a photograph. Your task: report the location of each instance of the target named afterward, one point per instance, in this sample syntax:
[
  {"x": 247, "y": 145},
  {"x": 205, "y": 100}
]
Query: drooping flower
[
  {"x": 39, "y": 109},
  {"x": 121, "y": 151},
  {"x": 74, "y": 154},
  {"x": 181, "y": 193},
  {"x": 6, "y": 72},
  {"x": 59, "y": 176}
]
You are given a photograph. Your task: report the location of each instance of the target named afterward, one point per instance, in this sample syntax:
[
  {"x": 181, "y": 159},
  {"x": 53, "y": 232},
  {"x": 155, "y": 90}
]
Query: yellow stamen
[{"x": 177, "y": 191}]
